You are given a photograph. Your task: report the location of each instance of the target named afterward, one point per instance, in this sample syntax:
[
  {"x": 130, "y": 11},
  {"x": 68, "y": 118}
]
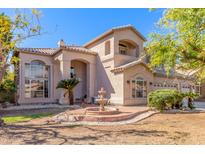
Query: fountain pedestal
[
  {"x": 101, "y": 100},
  {"x": 102, "y": 110}
]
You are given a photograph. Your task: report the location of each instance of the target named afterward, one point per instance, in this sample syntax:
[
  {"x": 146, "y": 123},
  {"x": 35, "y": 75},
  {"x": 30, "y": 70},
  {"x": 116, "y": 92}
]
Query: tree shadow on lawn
[
  {"x": 131, "y": 132},
  {"x": 49, "y": 134},
  {"x": 40, "y": 135}
]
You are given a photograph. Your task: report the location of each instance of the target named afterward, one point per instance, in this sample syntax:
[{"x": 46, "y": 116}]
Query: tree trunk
[{"x": 71, "y": 98}]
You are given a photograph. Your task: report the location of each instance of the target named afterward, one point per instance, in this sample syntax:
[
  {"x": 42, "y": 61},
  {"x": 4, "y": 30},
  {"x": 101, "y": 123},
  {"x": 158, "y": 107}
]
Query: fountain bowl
[{"x": 97, "y": 111}]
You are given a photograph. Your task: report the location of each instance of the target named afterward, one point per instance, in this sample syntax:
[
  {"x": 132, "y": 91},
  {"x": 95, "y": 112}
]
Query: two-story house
[{"x": 115, "y": 60}]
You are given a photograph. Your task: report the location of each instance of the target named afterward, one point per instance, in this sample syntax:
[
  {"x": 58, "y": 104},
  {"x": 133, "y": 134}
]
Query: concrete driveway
[{"x": 200, "y": 105}]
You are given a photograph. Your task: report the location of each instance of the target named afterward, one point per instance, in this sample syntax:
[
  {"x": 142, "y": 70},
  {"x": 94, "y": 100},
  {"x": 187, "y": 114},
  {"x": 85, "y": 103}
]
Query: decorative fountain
[
  {"x": 101, "y": 113},
  {"x": 102, "y": 101}
]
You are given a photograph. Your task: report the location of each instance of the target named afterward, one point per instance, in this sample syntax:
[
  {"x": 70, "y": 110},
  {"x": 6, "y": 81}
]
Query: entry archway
[{"x": 79, "y": 70}]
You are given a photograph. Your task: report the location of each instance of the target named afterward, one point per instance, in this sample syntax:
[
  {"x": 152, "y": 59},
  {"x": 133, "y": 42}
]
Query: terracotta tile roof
[
  {"x": 79, "y": 49},
  {"x": 114, "y": 29},
  {"x": 155, "y": 72},
  {"x": 45, "y": 51},
  {"x": 131, "y": 27},
  {"x": 128, "y": 65},
  {"x": 185, "y": 72},
  {"x": 173, "y": 74},
  {"x": 52, "y": 51}
]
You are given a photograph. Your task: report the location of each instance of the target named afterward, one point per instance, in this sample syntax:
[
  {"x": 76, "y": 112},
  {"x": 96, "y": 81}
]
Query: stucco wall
[
  {"x": 99, "y": 47},
  {"x": 122, "y": 59},
  {"x": 112, "y": 83},
  {"x": 131, "y": 73},
  {"x": 117, "y": 97},
  {"x": 27, "y": 58},
  {"x": 56, "y": 78}
]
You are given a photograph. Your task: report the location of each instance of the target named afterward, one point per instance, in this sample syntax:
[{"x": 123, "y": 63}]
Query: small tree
[
  {"x": 14, "y": 30},
  {"x": 179, "y": 41},
  {"x": 68, "y": 85},
  {"x": 7, "y": 88}
]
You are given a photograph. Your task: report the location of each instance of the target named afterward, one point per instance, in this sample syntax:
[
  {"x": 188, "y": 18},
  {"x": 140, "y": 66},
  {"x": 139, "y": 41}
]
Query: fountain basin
[{"x": 97, "y": 111}]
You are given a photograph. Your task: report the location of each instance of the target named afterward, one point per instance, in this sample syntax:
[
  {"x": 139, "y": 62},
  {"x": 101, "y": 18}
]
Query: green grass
[{"x": 14, "y": 119}]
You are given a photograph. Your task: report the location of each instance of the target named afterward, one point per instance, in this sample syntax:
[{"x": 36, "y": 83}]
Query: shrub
[
  {"x": 190, "y": 96},
  {"x": 165, "y": 99},
  {"x": 7, "y": 91}
]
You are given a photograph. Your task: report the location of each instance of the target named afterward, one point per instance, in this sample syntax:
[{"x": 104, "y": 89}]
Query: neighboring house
[{"x": 114, "y": 60}]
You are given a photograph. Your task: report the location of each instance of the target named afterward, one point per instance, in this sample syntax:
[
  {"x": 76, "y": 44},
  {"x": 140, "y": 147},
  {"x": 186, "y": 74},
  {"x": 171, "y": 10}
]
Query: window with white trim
[
  {"x": 37, "y": 76},
  {"x": 139, "y": 88}
]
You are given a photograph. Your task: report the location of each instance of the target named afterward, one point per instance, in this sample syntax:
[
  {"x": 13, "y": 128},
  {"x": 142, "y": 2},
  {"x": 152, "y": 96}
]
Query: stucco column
[
  {"x": 91, "y": 78},
  {"x": 65, "y": 69},
  {"x": 65, "y": 74}
]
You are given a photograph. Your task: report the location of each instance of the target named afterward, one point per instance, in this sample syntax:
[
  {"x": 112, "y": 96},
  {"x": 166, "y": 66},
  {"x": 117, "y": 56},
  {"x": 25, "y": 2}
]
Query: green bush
[
  {"x": 165, "y": 99},
  {"x": 7, "y": 91}
]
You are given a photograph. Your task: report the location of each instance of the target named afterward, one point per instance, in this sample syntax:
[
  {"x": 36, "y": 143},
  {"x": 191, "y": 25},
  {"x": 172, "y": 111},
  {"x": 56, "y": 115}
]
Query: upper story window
[
  {"x": 37, "y": 82},
  {"x": 107, "y": 48}
]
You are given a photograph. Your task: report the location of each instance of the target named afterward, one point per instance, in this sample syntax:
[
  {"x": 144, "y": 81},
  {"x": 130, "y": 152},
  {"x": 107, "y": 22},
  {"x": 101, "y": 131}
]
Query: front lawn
[{"x": 14, "y": 119}]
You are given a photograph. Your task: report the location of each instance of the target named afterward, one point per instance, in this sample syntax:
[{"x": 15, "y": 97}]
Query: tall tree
[
  {"x": 179, "y": 41},
  {"x": 14, "y": 30}
]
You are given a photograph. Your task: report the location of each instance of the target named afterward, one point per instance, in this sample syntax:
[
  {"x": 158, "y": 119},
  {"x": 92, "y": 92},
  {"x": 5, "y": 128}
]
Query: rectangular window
[
  {"x": 139, "y": 88},
  {"x": 107, "y": 48}
]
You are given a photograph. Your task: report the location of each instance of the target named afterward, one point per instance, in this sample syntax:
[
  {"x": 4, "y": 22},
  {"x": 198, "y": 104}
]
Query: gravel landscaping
[{"x": 167, "y": 128}]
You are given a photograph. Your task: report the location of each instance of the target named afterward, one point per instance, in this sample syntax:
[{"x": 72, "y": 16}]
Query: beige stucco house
[{"x": 114, "y": 60}]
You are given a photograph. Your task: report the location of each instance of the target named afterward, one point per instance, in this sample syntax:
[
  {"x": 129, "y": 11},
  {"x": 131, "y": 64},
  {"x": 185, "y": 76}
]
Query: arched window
[
  {"x": 37, "y": 76},
  {"x": 139, "y": 88}
]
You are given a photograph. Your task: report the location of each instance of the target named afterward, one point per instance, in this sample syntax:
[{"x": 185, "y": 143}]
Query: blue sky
[{"x": 78, "y": 26}]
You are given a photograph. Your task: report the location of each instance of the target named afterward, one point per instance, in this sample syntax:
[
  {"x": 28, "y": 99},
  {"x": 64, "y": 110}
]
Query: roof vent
[{"x": 61, "y": 43}]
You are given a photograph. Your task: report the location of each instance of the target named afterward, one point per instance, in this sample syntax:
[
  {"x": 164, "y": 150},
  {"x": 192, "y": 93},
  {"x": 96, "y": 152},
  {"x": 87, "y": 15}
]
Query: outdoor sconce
[{"x": 128, "y": 81}]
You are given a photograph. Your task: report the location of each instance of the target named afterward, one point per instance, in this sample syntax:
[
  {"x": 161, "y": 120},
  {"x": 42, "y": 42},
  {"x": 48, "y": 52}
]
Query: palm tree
[{"x": 68, "y": 85}]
